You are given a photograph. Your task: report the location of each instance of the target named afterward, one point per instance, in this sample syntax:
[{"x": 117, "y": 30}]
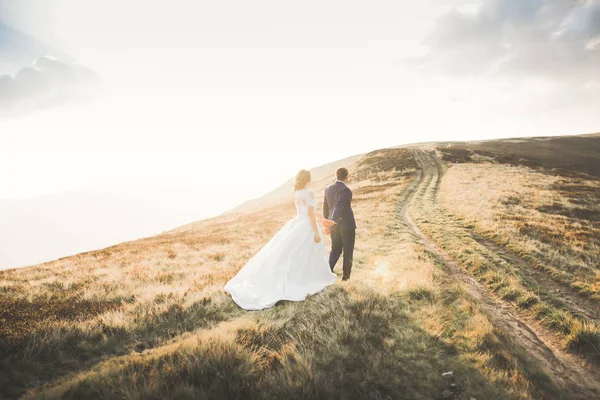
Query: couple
[{"x": 293, "y": 263}]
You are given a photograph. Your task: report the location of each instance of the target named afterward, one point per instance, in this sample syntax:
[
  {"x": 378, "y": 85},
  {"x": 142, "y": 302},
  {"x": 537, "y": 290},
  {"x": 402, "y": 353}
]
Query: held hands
[{"x": 327, "y": 223}]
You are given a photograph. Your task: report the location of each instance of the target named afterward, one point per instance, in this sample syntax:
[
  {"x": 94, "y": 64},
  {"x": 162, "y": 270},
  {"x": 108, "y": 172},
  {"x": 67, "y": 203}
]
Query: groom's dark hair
[{"x": 341, "y": 174}]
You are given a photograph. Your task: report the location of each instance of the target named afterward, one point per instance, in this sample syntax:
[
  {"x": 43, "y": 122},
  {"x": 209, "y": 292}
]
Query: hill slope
[
  {"x": 320, "y": 176},
  {"x": 477, "y": 258}
]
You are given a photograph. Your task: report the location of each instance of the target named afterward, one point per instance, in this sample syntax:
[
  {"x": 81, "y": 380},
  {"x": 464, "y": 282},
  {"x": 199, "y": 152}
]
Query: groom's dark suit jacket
[{"x": 336, "y": 206}]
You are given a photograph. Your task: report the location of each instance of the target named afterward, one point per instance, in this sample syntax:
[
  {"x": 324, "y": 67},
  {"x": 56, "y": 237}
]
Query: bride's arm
[
  {"x": 313, "y": 222},
  {"x": 323, "y": 221}
]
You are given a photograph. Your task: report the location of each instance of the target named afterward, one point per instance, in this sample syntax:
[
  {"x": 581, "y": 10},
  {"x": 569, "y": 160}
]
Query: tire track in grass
[{"x": 560, "y": 367}]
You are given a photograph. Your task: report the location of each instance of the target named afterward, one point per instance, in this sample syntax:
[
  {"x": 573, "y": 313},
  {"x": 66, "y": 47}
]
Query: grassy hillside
[{"x": 476, "y": 258}]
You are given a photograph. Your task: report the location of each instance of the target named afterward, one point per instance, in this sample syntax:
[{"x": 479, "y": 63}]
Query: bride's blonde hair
[{"x": 302, "y": 179}]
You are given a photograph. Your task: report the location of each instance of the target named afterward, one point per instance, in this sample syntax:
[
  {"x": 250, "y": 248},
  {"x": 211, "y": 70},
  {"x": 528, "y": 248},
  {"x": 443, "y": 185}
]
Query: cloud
[
  {"x": 46, "y": 83},
  {"x": 548, "y": 39}
]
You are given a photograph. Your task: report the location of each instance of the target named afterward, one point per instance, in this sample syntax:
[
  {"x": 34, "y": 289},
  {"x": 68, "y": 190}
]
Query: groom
[{"x": 336, "y": 206}]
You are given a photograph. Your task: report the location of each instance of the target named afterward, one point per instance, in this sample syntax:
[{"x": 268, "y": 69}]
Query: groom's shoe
[{"x": 345, "y": 278}]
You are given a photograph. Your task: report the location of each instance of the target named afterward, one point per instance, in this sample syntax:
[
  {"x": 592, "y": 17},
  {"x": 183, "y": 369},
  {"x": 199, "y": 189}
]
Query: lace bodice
[{"x": 304, "y": 198}]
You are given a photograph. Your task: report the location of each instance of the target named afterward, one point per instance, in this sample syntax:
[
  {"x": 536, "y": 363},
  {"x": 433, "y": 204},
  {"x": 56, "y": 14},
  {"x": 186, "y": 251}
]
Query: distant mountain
[
  {"x": 19, "y": 50},
  {"x": 319, "y": 175}
]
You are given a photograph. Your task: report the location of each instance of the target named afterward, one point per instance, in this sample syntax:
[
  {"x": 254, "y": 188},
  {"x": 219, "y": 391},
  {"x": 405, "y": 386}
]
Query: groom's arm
[
  {"x": 325, "y": 207},
  {"x": 342, "y": 201}
]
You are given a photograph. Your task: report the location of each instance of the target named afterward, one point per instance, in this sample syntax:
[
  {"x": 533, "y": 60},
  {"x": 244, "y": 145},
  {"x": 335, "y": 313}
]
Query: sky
[{"x": 225, "y": 100}]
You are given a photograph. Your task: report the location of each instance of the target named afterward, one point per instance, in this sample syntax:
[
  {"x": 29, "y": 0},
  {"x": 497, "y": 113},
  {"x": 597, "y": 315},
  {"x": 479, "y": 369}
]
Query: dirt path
[
  {"x": 539, "y": 281},
  {"x": 562, "y": 368},
  {"x": 546, "y": 287}
]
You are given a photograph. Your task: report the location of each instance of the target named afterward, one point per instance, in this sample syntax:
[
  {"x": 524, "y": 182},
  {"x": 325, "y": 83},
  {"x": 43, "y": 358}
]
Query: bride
[{"x": 292, "y": 264}]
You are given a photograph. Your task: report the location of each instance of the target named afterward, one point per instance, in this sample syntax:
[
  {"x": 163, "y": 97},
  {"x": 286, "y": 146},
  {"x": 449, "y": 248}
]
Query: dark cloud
[
  {"x": 559, "y": 40},
  {"x": 46, "y": 83}
]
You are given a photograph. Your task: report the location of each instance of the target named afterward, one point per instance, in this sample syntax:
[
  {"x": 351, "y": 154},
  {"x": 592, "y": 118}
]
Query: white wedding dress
[{"x": 289, "y": 267}]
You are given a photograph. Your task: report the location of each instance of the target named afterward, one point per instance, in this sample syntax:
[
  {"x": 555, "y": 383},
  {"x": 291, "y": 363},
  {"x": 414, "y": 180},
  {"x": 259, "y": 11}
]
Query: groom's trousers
[{"x": 342, "y": 241}]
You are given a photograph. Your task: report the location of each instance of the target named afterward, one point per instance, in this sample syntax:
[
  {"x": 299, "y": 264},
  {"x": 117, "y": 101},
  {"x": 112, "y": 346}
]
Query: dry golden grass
[
  {"x": 552, "y": 220},
  {"x": 149, "y": 318},
  {"x": 529, "y": 214}
]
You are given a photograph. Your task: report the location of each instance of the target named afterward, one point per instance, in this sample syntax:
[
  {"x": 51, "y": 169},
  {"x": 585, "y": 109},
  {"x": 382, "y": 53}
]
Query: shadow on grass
[
  {"x": 334, "y": 345},
  {"x": 52, "y": 352}
]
